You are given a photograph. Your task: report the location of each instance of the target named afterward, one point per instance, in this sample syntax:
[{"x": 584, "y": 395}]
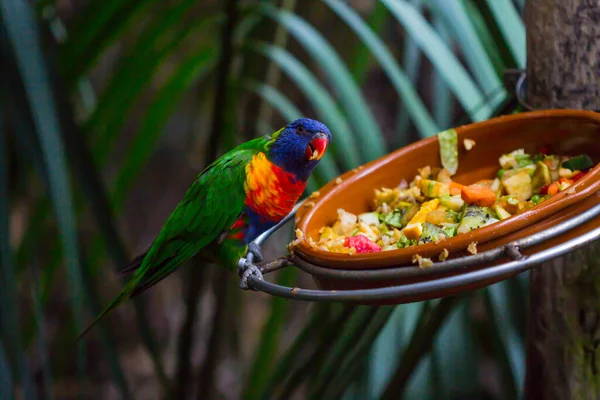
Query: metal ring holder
[{"x": 518, "y": 262}]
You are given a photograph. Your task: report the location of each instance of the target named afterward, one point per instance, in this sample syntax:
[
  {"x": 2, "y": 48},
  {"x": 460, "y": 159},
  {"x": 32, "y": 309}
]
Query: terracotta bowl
[{"x": 568, "y": 132}]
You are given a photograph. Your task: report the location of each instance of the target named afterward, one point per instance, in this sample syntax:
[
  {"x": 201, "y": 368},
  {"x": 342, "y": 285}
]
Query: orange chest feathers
[{"x": 271, "y": 192}]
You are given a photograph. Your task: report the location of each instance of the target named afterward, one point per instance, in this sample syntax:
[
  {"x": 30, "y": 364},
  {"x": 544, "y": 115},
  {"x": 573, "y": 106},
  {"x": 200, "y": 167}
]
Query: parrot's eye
[{"x": 300, "y": 130}]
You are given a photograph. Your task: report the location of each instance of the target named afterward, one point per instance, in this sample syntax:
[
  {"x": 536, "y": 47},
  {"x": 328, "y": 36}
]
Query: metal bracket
[
  {"x": 515, "y": 81},
  {"x": 512, "y": 250},
  {"x": 518, "y": 263}
]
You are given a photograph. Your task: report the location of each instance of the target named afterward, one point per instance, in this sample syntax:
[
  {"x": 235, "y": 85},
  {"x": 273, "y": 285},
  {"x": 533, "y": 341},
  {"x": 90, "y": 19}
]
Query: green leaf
[
  {"x": 458, "y": 361},
  {"x": 272, "y": 75},
  {"x": 357, "y": 355},
  {"x": 486, "y": 37},
  {"x": 385, "y": 351},
  {"x": 132, "y": 77},
  {"x": 520, "y": 5},
  {"x": 497, "y": 301},
  {"x": 344, "y": 144},
  {"x": 99, "y": 25},
  {"x": 6, "y": 381},
  {"x": 277, "y": 99},
  {"x": 330, "y": 63},
  {"x": 411, "y": 60},
  {"x": 194, "y": 68},
  {"x": 472, "y": 49},
  {"x": 420, "y": 344},
  {"x": 266, "y": 351},
  {"x": 512, "y": 28},
  {"x": 9, "y": 301},
  {"x": 289, "y": 360},
  {"x": 442, "y": 97},
  {"x": 108, "y": 344},
  {"x": 41, "y": 333},
  {"x": 22, "y": 33},
  {"x": 302, "y": 359},
  {"x": 401, "y": 82},
  {"x": 362, "y": 60},
  {"x": 348, "y": 337},
  {"x": 441, "y": 57}
]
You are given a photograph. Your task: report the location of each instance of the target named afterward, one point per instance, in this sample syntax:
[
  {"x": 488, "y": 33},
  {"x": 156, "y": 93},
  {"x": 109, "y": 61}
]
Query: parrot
[{"x": 236, "y": 198}]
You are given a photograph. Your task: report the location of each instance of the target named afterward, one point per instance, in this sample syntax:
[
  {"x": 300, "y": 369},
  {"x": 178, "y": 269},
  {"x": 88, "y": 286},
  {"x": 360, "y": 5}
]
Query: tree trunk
[{"x": 563, "y": 71}]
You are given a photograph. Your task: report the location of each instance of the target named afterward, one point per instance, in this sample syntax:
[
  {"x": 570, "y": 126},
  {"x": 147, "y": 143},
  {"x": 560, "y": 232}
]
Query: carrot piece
[
  {"x": 455, "y": 188},
  {"x": 553, "y": 188},
  {"x": 479, "y": 196}
]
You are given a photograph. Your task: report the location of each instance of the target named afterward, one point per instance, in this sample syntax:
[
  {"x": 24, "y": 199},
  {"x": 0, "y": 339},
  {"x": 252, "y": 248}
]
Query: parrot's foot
[
  {"x": 248, "y": 269},
  {"x": 255, "y": 250}
]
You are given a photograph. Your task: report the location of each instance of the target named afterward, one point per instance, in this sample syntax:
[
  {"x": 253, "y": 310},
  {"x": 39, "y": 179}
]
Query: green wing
[{"x": 211, "y": 205}]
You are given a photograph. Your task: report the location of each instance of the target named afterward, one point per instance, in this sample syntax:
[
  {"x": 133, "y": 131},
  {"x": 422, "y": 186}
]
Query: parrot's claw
[
  {"x": 248, "y": 269},
  {"x": 255, "y": 250}
]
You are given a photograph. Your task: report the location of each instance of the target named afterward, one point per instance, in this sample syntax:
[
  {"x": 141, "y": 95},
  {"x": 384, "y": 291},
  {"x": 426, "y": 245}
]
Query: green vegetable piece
[
  {"x": 513, "y": 201},
  {"x": 523, "y": 160},
  {"x": 450, "y": 230},
  {"x": 452, "y": 215},
  {"x": 541, "y": 177},
  {"x": 476, "y": 217},
  {"x": 578, "y": 163},
  {"x": 394, "y": 219},
  {"x": 370, "y": 218},
  {"x": 408, "y": 213},
  {"x": 538, "y": 157},
  {"x": 448, "y": 141},
  {"x": 500, "y": 173},
  {"x": 501, "y": 212},
  {"x": 455, "y": 202},
  {"x": 537, "y": 198},
  {"x": 431, "y": 233},
  {"x": 405, "y": 242}
]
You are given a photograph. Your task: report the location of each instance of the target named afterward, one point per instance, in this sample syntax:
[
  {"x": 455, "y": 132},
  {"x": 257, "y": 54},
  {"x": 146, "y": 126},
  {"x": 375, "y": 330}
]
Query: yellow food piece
[
  {"x": 414, "y": 228},
  {"x": 423, "y": 262},
  {"x": 327, "y": 233},
  {"x": 434, "y": 189},
  {"x": 454, "y": 203},
  {"x": 444, "y": 176},
  {"x": 438, "y": 216},
  {"x": 567, "y": 173},
  {"x": 424, "y": 172},
  {"x": 541, "y": 177},
  {"x": 386, "y": 196},
  {"x": 444, "y": 255},
  {"x": 502, "y": 213},
  {"x": 519, "y": 185},
  {"x": 468, "y": 143},
  {"x": 472, "y": 248}
]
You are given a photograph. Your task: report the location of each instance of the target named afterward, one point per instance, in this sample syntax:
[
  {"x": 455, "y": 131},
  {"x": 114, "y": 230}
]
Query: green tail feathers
[
  {"x": 123, "y": 296},
  {"x": 144, "y": 278}
]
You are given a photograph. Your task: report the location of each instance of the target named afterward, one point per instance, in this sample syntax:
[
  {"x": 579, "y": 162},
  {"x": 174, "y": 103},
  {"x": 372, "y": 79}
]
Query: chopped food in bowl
[{"x": 433, "y": 207}]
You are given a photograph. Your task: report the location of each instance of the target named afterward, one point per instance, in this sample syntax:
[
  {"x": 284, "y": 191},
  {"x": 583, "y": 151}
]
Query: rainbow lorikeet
[{"x": 235, "y": 199}]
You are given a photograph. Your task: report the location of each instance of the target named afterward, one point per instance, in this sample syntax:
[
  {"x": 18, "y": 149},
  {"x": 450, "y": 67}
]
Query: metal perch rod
[{"x": 519, "y": 263}]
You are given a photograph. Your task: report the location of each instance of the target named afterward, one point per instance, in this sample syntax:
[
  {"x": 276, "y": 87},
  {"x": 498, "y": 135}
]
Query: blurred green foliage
[{"x": 107, "y": 111}]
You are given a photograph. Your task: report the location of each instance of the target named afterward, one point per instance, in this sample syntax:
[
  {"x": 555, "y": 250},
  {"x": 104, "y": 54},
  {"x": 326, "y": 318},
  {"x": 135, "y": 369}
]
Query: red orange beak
[{"x": 316, "y": 148}]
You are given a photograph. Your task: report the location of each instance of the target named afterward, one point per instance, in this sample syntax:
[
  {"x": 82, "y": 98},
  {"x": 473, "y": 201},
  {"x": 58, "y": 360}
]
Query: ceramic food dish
[{"x": 568, "y": 132}]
